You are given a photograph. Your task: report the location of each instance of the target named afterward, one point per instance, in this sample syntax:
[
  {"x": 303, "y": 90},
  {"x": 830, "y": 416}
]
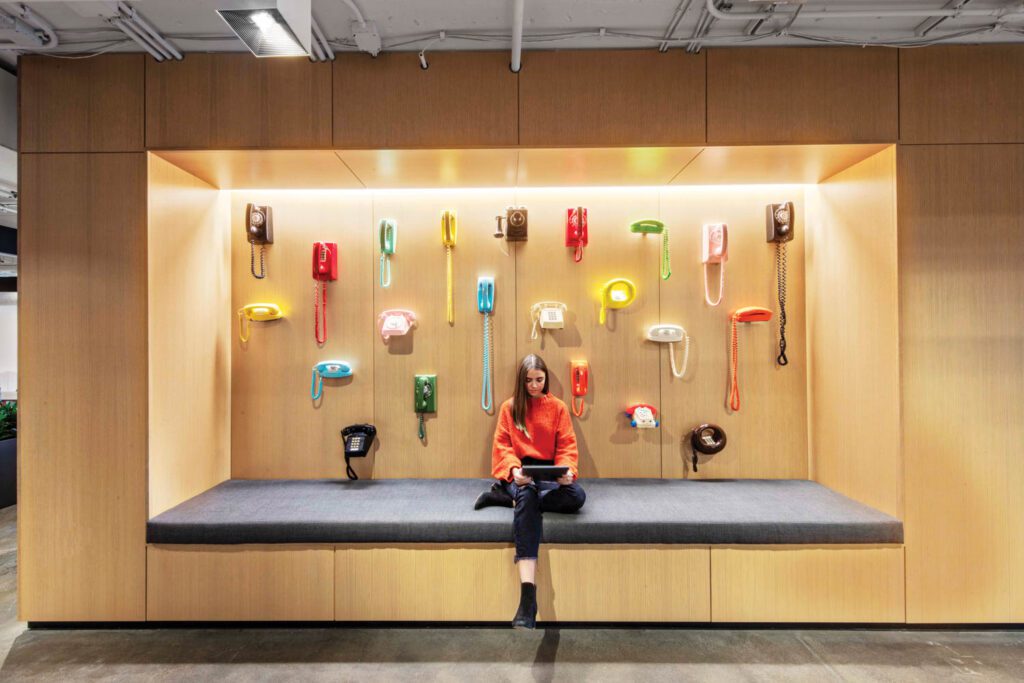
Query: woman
[{"x": 534, "y": 429}]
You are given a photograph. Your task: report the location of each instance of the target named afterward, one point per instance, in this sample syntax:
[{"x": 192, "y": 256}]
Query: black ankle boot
[{"x": 526, "y": 615}]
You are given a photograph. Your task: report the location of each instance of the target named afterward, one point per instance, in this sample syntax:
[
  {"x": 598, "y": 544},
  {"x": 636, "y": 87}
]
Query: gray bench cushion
[{"x": 758, "y": 511}]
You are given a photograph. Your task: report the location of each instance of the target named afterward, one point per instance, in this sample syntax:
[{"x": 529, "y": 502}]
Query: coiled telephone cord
[
  {"x": 423, "y": 428},
  {"x": 734, "y": 368},
  {"x": 487, "y": 390},
  {"x": 319, "y": 287},
  {"x": 686, "y": 356},
  {"x": 252, "y": 261},
  {"x": 721, "y": 285},
  {"x": 578, "y": 412},
  {"x": 451, "y": 293},
  {"x": 666, "y": 263},
  {"x": 780, "y": 265}
]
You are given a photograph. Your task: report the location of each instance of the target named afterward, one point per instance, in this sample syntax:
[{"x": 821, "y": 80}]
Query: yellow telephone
[
  {"x": 616, "y": 293},
  {"x": 257, "y": 312},
  {"x": 449, "y": 231}
]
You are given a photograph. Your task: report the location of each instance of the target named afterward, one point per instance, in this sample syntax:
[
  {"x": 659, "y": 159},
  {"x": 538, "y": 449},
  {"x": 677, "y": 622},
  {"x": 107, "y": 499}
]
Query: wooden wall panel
[
  {"x": 853, "y": 329},
  {"x": 240, "y": 583},
  {"x": 465, "y": 99},
  {"x": 611, "y": 97},
  {"x": 190, "y": 335},
  {"x": 781, "y": 95},
  {"x": 83, "y": 394},
  {"x": 81, "y": 105},
  {"x": 277, "y": 431},
  {"x": 623, "y": 368},
  {"x": 768, "y": 436},
  {"x": 962, "y": 94},
  {"x": 807, "y": 584},
  {"x": 460, "y": 434},
  {"x": 961, "y": 243},
  {"x": 237, "y": 102}
]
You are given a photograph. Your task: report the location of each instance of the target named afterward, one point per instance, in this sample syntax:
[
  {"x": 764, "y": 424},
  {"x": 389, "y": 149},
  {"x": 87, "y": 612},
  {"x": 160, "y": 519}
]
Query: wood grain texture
[
  {"x": 962, "y": 94},
  {"x": 460, "y": 434},
  {"x": 602, "y": 166},
  {"x": 611, "y": 97},
  {"x": 807, "y": 584},
  {"x": 623, "y": 368},
  {"x": 277, "y": 431},
  {"x": 792, "y": 95},
  {"x": 962, "y": 332},
  {"x": 422, "y": 168},
  {"x": 853, "y": 334},
  {"x": 190, "y": 333},
  {"x": 240, "y": 583},
  {"x": 736, "y": 165},
  {"x": 266, "y": 168},
  {"x": 85, "y": 105},
  {"x": 768, "y": 436},
  {"x": 237, "y": 102},
  {"x": 465, "y": 99},
  {"x": 83, "y": 393}
]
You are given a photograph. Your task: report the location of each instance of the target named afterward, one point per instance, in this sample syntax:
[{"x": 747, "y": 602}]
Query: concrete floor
[{"x": 492, "y": 654}]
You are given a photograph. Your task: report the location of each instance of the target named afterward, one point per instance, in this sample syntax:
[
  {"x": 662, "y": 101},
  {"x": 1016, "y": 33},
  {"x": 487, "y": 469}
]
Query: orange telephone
[
  {"x": 579, "y": 374},
  {"x": 749, "y": 314},
  {"x": 325, "y": 269}
]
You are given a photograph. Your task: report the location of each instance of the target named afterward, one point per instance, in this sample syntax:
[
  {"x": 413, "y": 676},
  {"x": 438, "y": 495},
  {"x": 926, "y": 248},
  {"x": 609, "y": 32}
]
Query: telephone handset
[
  {"x": 485, "y": 304},
  {"x": 388, "y": 230},
  {"x": 259, "y": 229},
  {"x": 748, "y": 314},
  {"x": 358, "y": 440},
  {"x": 331, "y": 369},
  {"x": 449, "y": 231},
  {"x": 549, "y": 315},
  {"x": 653, "y": 227},
  {"x": 708, "y": 439},
  {"x": 714, "y": 249},
  {"x": 779, "y": 226},
  {"x": 579, "y": 379},
  {"x": 424, "y": 399},
  {"x": 257, "y": 313},
  {"x": 576, "y": 231},
  {"x": 325, "y": 269},
  {"x": 643, "y": 416},
  {"x": 670, "y": 334},
  {"x": 395, "y": 322},
  {"x": 616, "y": 293}
]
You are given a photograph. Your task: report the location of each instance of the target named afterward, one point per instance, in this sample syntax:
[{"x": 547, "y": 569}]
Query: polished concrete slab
[{"x": 492, "y": 654}]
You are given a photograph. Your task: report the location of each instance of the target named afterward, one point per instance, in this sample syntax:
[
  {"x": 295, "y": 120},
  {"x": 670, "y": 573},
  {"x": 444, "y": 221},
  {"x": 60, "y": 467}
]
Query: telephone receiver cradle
[
  {"x": 576, "y": 231},
  {"x": 671, "y": 334},
  {"x": 358, "y": 440},
  {"x": 485, "y": 294},
  {"x": 643, "y": 416},
  {"x": 714, "y": 249},
  {"x": 259, "y": 312},
  {"x": 752, "y": 314},
  {"x": 548, "y": 315},
  {"x": 395, "y": 323},
  {"x": 708, "y": 439},
  {"x": 616, "y": 293},
  {"x": 329, "y": 369},
  {"x": 325, "y": 261},
  {"x": 579, "y": 381}
]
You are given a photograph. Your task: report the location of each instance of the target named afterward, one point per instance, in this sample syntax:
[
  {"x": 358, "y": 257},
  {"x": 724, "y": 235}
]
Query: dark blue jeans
[{"x": 531, "y": 501}]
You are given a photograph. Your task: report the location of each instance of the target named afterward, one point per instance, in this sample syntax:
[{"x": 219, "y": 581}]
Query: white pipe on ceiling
[
  {"x": 29, "y": 21},
  {"x": 134, "y": 34},
  {"x": 136, "y": 18},
  {"x": 318, "y": 35},
  {"x": 868, "y": 13},
  {"x": 355, "y": 10},
  {"x": 517, "y": 36}
]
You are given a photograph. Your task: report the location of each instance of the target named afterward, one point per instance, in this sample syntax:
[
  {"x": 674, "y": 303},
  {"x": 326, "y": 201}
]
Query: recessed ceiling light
[{"x": 265, "y": 32}]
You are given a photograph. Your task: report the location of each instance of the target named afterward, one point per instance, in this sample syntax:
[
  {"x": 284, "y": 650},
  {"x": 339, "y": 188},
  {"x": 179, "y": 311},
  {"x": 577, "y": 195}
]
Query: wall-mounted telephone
[
  {"x": 331, "y": 369},
  {"x": 579, "y": 381},
  {"x": 714, "y": 249},
  {"x": 325, "y": 269},
  {"x": 424, "y": 399},
  {"x": 395, "y": 323},
  {"x": 548, "y": 315},
  {"x": 708, "y": 439},
  {"x": 616, "y": 293},
  {"x": 749, "y": 314},
  {"x": 576, "y": 231},
  {"x": 516, "y": 223},
  {"x": 259, "y": 229},
  {"x": 671, "y": 334},
  {"x": 358, "y": 440},
  {"x": 256, "y": 313},
  {"x": 643, "y": 416},
  {"x": 779, "y": 227},
  {"x": 485, "y": 304},
  {"x": 449, "y": 231},
  {"x": 653, "y": 227},
  {"x": 388, "y": 230}
]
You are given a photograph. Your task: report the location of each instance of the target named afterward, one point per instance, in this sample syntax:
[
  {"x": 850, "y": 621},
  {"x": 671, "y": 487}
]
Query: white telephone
[
  {"x": 549, "y": 315},
  {"x": 671, "y": 334}
]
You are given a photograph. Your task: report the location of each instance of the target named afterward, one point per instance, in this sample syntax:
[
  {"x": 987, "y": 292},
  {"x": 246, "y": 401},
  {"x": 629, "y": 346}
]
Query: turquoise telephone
[
  {"x": 485, "y": 304},
  {"x": 388, "y": 237},
  {"x": 331, "y": 369}
]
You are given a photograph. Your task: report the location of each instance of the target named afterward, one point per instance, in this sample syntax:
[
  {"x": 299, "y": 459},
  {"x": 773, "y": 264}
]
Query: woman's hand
[
  {"x": 519, "y": 478},
  {"x": 566, "y": 478}
]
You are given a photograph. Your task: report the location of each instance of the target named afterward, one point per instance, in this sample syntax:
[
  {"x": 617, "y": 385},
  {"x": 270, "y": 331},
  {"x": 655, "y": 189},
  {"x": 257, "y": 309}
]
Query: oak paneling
[
  {"x": 465, "y": 99},
  {"x": 962, "y": 94},
  {"x": 853, "y": 327},
  {"x": 190, "y": 333},
  {"x": 961, "y": 243},
  {"x": 240, "y": 583},
  {"x": 783, "y": 95},
  {"x": 237, "y": 102},
  {"x": 81, "y": 105},
  {"x": 83, "y": 393},
  {"x": 611, "y": 97}
]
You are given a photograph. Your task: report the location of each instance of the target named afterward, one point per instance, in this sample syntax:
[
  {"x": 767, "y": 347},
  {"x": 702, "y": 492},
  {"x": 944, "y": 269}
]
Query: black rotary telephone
[
  {"x": 708, "y": 439},
  {"x": 358, "y": 439}
]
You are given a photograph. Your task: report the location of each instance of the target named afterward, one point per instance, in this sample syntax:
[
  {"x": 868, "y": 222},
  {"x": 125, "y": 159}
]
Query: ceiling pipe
[
  {"x": 27, "y": 22},
  {"x": 165, "y": 45},
  {"x": 930, "y": 24},
  {"x": 318, "y": 36},
  {"x": 517, "y": 36},
  {"x": 355, "y": 10},
  {"x": 316, "y": 53},
  {"x": 869, "y": 13},
  {"x": 134, "y": 34},
  {"x": 674, "y": 24}
]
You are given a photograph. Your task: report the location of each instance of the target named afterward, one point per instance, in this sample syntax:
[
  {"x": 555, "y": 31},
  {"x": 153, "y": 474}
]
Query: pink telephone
[
  {"x": 715, "y": 249},
  {"x": 395, "y": 322}
]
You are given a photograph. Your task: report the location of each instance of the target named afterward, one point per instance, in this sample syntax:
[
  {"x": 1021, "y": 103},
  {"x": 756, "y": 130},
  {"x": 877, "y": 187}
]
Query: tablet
[{"x": 545, "y": 472}]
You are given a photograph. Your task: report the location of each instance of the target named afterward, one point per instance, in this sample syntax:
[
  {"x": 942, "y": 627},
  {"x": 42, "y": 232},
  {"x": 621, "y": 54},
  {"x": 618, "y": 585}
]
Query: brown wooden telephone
[{"x": 259, "y": 229}]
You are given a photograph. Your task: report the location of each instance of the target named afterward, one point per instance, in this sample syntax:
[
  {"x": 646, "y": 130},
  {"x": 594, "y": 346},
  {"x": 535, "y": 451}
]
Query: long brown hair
[{"x": 530, "y": 362}]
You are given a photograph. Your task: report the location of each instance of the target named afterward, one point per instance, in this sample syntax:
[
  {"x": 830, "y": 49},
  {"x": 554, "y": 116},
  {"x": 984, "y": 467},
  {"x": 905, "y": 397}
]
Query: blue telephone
[
  {"x": 485, "y": 304},
  {"x": 485, "y": 294},
  {"x": 331, "y": 369}
]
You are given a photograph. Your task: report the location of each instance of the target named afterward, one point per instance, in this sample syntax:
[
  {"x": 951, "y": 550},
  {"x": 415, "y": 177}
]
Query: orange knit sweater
[{"x": 547, "y": 420}]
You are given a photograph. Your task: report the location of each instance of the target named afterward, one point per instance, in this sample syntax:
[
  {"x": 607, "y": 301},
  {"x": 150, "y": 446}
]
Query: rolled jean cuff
[{"x": 516, "y": 559}]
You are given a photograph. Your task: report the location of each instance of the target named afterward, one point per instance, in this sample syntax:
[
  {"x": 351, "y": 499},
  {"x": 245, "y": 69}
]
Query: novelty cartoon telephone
[
  {"x": 579, "y": 378},
  {"x": 485, "y": 304},
  {"x": 549, "y": 315},
  {"x": 643, "y": 416},
  {"x": 576, "y": 233},
  {"x": 616, "y": 293},
  {"x": 259, "y": 229},
  {"x": 670, "y": 334},
  {"x": 256, "y": 313},
  {"x": 653, "y": 227},
  {"x": 779, "y": 227},
  {"x": 395, "y": 323},
  {"x": 749, "y": 314},
  {"x": 388, "y": 230},
  {"x": 424, "y": 399},
  {"x": 449, "y": 231},
  {"x": 358, "y": 440},
  {"x": 325, "y": 269},
  {"x": 332, "y": 369},
  {"x": 715, "y": 249}
]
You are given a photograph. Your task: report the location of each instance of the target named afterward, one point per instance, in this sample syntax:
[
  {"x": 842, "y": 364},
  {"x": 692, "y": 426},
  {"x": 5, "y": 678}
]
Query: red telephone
[
  {"x": 579, "y": 377},
  {"x": 325, "y": 269},
  {"x": 749, "y": 314},
  {"x": 576, "y": 233}
]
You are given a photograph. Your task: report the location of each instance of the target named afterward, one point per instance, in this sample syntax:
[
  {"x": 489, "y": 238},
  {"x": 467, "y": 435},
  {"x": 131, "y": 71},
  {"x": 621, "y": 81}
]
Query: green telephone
[{"x": 424, "y": 399}]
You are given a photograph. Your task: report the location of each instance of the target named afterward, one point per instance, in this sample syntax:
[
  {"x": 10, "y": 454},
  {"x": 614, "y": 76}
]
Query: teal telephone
[
  {"x": 424, "y": 399},
  {"x": 388, "y": 237},
  {"x": 332, "y": 369},
  {"x": 485, "y": 304}
]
